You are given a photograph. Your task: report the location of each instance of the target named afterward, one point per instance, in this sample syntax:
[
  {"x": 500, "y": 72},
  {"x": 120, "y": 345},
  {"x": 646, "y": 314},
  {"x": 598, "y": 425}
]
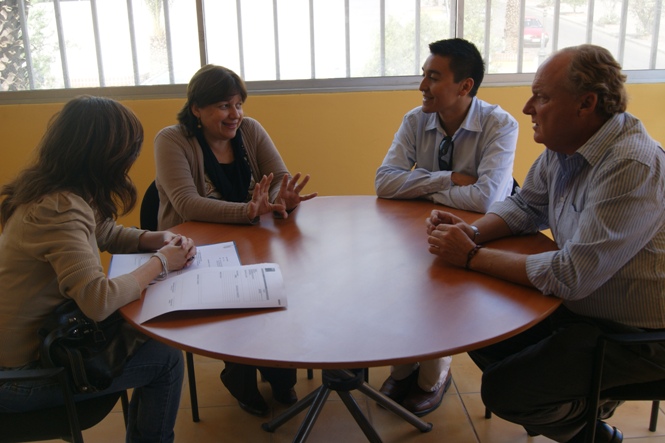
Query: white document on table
[
  {"x": 215, "y": 255},
  {"x": 249, "y": 286}
]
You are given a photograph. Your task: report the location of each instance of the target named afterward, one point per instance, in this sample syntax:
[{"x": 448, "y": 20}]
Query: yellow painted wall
[{"x": 340, "y": 139}]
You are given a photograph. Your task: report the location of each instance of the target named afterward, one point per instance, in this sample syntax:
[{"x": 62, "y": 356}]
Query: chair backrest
[{"x": 150, "y": 208}]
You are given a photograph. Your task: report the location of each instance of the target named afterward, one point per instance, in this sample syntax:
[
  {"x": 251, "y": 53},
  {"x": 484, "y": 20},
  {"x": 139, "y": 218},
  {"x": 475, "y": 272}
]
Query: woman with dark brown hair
[
  {"x": 219, "y": 166},
  {"x": 56, "y": 216}
]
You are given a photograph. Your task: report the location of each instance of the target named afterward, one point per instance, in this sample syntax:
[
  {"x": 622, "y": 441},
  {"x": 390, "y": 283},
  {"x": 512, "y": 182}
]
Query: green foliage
[
  {"x": 645, "y": 11},
  {"x": 576, "y": 3},
  {"x": 400, "y": 41},
  {"x": 13, "y": 66}
]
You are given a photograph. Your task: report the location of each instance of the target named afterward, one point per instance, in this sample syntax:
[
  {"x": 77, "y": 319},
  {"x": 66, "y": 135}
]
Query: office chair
[
  {"x": 62, "y": 422},
  {"x": 149, "y": 212},
  {"x": 652, "y": 391}
]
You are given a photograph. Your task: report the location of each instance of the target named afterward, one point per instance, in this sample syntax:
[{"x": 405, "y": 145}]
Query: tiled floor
[{"x": 460, "y": 419}]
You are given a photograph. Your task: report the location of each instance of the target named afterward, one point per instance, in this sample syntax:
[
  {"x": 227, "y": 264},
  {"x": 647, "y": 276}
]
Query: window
[{"x": 56, "y": 44}]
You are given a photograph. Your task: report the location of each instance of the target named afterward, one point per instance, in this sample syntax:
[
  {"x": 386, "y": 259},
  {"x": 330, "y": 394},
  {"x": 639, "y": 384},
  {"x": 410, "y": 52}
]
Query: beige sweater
[
  {"x": 49, "y": 251},
  {"x": 181, "y": 179}
]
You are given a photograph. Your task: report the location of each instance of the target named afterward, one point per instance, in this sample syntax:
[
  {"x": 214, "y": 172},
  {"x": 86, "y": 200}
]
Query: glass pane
[
  {"x": 400, "y": 38},
  {"x": 258, "y": 40},
  {"x": 79, "y": 44},
  {"x": 365, "y": 30},
  {"x": 436, "y": 23},
  {"x": 221, "y": 27},
  {"x": 184, "y": 39},
  {"x": 329, "y": 40},
  {"x": 44, "y": 48},
  {"x": 115, "y": 43},
  {"x": 294, "y": 45}
]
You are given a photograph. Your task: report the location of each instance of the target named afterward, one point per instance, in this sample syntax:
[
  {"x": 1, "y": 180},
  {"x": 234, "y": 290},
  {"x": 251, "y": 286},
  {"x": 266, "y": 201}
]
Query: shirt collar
[
  {"x": 471, "y": 121},
  {"x": 594, "y": 148}
]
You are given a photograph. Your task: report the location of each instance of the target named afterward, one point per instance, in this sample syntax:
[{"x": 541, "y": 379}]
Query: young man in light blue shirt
[{"x": 455, "y": 150}]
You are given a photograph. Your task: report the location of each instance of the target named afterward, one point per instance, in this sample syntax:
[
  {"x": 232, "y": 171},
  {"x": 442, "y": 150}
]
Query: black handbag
[{"x": 94, "y": 353}]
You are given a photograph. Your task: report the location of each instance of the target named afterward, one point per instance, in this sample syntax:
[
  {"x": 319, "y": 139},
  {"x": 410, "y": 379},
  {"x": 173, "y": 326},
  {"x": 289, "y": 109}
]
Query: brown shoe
[
  {"x": 398, "y": 389},
  {"x": 423, "y": 402}
]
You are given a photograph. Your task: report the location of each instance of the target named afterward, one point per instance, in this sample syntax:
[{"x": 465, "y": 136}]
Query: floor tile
[{"x": 460, "y": 419}]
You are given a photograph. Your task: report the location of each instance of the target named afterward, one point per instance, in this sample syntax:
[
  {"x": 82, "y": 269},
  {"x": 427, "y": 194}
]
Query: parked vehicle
[{"x": 534, "y": 32}]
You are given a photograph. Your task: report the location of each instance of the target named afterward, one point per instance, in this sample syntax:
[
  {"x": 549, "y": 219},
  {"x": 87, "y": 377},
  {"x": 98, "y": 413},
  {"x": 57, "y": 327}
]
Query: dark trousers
[
  {"x": 540, "y": 378},
  {"x": 240, "y": 379}
]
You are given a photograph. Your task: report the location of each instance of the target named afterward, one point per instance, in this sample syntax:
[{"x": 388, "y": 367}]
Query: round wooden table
[{"x": 362, "y": 291}]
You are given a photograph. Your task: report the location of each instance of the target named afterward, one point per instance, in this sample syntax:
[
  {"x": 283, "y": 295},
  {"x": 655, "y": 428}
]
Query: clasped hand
[
  {"x": 179, "y": 251},
  {"x": 449, "y": 237}
]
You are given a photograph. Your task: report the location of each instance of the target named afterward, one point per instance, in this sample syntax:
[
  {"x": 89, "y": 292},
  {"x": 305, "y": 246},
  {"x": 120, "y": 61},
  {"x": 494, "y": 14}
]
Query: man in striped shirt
[{"x": 600, "y": 187}]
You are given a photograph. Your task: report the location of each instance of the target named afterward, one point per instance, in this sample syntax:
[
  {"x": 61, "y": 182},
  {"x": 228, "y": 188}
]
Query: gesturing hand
[
  {"x": 289, "y": 193},
  {"x": 260, "y": 203}
]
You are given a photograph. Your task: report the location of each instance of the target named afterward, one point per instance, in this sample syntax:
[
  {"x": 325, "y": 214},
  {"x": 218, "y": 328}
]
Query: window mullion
[
  {"x": 655, "y": 35},
  {"x": 459, "y": 23},
  {"x": 241, "y": 49},
  {"x": 622, "y": 31},
  {"x": 26, "y": 43},
  {"x": 589, "y": 21},
  {"x": 312, "y": 50},
  {"x": 276, "y": 33},
  {"x": 556, "y": 22},
  {"x": 488, "y": 21},
  {"x": 98, "y": 46},
  {"x": 520, "y": 38},
  {"x": 417, "y": 66},
  {"x": 347, "y": 38},
  {"x": 61, "y": 43},
  {"x": 169, "y": 48},
  {"x": 200, "y": 24},
  {"x": 382, "y": 38},
  {"x": 132, "y": 41}
]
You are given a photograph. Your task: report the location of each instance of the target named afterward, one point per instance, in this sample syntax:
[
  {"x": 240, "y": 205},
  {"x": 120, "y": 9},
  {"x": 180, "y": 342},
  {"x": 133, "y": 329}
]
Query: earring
[{"x": 199, "y": 123}]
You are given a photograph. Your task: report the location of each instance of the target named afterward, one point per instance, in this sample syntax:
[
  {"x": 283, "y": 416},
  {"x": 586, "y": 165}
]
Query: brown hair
[
  {"x": 87, "y": 149},
  {"x": 211, "y": 84},
  {"x": 594, "y": 69}
]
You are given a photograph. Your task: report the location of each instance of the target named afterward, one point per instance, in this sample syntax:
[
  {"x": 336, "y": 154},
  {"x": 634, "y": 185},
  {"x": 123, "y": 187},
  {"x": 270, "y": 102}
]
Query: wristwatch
[{"x": 476, "y": 232}]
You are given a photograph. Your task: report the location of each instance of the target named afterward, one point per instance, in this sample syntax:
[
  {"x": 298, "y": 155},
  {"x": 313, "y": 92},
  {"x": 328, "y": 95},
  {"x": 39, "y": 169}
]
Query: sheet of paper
[
  {"x": 249, "y": 286},
  {"x": 207, "y": 256}
]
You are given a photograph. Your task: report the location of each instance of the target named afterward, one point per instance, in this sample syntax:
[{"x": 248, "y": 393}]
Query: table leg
[
  {"x": 342, "y": 381},
  {"x": 396, "y": 408},
  {"x": 292, "y": 411},
  {"x": 313, "y": 413},
  {"x": 360, "y": 418}
]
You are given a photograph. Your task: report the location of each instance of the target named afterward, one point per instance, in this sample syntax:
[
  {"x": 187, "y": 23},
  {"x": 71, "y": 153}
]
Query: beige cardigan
[
  {"x": 181, "y": 176},
  {"x": 49, "y": 251}
]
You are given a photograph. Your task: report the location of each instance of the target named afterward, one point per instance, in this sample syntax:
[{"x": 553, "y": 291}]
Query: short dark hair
[
  {"x": 594, "y": 69},
  {"x": 465, "y": 60},
  {"x": 88, "y": 149},
  {"x": 210, "y": 84}
]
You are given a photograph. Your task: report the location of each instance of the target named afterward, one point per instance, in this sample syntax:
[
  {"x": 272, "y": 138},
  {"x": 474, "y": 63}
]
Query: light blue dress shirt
[
  {"x": 605, "y": 205},
  {"x": 484, "y": 148}
]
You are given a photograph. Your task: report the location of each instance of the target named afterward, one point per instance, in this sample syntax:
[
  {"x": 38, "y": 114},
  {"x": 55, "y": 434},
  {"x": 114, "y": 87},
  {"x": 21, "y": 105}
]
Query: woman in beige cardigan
[
  {"x": 219, "y": 166},
  {"x": 56, "y": 215}
]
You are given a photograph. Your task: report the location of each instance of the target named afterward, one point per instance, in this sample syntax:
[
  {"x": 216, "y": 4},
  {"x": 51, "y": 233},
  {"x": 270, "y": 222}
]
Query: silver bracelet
[{"x": 165, "y": 266}]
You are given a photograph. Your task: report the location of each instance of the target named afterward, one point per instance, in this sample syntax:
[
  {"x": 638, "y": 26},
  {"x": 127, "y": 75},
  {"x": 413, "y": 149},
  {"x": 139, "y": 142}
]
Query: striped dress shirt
[{"x": 605, "y": 205}]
